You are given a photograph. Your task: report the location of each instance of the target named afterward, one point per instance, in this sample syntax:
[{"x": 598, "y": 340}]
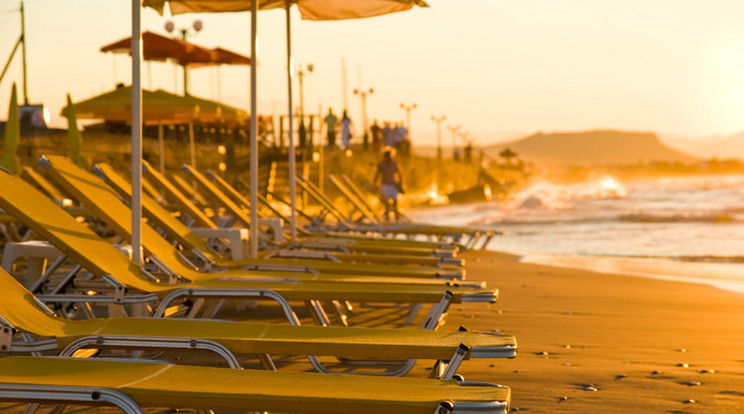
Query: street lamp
[
  {"x": 185, "y": 31},
  {"x": 363, "y": 96},
  {"x": 454, "y": 130},
  {"x": 439, "y": 120},
  {"x": 300, "y": 74},
  {"x": 408, "y": 109},
  {"x": 302, "y": 132}
]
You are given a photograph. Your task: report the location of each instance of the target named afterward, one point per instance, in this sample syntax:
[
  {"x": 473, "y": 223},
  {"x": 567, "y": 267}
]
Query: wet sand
[{"x": 600, "y": 343}]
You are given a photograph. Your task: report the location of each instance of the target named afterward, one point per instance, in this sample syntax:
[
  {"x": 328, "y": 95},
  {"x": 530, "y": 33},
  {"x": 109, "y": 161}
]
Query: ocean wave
[{"x": 710, "y": 218}]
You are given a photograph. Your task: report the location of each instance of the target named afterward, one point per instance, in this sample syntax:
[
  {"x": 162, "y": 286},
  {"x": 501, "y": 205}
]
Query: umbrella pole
[
  {"x": 161, "y": 147},
  {"x": 292, "y": 158},
  {"x": 192, "y": 156},
  {"x": 136, "y": 103},
  {"x": 253, "y": 140}
]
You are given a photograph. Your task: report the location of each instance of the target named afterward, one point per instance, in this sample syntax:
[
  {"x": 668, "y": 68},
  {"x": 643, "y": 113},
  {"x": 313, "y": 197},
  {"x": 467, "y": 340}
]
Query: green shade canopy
[{"x": 158, "y": 107}]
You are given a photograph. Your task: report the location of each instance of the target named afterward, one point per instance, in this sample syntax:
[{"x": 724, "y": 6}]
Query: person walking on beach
[
  {"x": 331, "y": 121},
  {"x": 345, "y": 130},
  {"x": 376, "y": 132},
  {"x": 391, "y": 183}
]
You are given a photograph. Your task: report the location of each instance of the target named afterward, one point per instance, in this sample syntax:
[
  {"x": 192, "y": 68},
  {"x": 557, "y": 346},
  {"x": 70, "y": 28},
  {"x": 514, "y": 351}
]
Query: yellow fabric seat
[
  {"x": 102, "y": 259},
  {"x": 19, "y": 309},
  {"x": 162, "y": 385},
  {"x": 352, "y": 242},
  {"x": 187, "y": 238}
]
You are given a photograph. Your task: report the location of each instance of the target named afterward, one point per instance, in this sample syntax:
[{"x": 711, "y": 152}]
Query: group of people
[
  {"x": 332, "y": 124},
  {"x": 391, "y": 136},
  {"x": 388, "y": 139},
  {"x": 387, "y": 136}
]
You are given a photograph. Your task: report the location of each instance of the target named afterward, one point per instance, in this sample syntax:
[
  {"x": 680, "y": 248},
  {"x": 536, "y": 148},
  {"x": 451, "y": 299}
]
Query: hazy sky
[{"x": 499, "y": 68}]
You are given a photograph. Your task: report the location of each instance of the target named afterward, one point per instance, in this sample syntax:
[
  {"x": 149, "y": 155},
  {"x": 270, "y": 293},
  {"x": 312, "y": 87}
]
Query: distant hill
[
  {"x": 731, "y": 146},
  {"x": 592, "y": 147}
]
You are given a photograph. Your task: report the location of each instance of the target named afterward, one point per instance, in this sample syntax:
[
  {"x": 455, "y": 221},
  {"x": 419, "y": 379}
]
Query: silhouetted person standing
[
  {"x": 376, "y": 132},
  {"x": 391, "y": 184},
  {"x": 331, "y": 121},
  {"x": 345, "y": 130}
]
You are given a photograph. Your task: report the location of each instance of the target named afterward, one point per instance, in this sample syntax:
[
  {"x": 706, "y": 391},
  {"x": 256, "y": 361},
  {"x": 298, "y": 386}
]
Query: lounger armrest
[
  {"x": 276, "y": 225},
  {"x": 235, "y": 236}
]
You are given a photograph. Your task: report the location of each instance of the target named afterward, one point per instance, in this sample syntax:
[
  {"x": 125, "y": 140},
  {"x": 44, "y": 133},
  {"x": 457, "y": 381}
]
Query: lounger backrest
[
  {"x": 42, "y": 183},
  {"x": 72, "y": 238},
  {"x": 177, "y": 196},
  {"x": 188, "y": 189},
  {"x": 225, "y": 201},
  {"x": 20, "y": 308},
  {"x": 320, "y": 199},
  {"x": 359, "y": 195},
  {"x": 351, "y": 198},
  {"x": 100, "y": 199},
  {"x": 153, "y": 210}
]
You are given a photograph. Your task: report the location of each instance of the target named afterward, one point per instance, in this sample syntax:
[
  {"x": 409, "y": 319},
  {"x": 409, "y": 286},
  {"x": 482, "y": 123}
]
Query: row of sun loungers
[{"x": 89, "y": 326}]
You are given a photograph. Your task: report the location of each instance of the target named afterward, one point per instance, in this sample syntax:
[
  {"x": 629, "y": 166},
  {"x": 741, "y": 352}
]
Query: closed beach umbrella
[
  {"x": 74, "y": 137},
  {"x": 10, "y": 160},
  {"x": 310, "y": 10}
]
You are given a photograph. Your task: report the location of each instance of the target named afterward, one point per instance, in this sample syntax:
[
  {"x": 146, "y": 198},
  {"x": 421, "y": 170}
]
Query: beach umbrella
[
  {"x": 310, "y": 10},
  {"x": 10, "y": 160},
  {"x": 74, "y": 137},
  {"x": 158, "y": 108},
  {"x": 160, "y": 48},
  {"x": 157, "y": 47}
]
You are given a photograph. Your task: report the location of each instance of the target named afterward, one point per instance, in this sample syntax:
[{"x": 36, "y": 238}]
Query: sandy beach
[
  {"x": 595, "y": 343},
  {"x": 599, "y": 343}
]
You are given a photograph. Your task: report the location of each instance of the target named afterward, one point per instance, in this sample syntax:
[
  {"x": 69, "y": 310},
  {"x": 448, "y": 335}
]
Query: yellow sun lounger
[
  {"x": 190, "y": 240},
  {"x": 359, "y": 258},
  {"x": 466, "y": 236},
  {"x": 187, "y": 238},
  {"x": 21, "y": 312},
  {"x": 133, "y": 385},
  {"x": 122, "y": 278},
  {"x": 334, "y": 243},
  {"x": 107, "y": 207}
]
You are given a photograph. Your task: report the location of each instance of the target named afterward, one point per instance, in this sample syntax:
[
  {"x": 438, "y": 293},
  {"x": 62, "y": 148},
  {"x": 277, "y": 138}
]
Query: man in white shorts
[{"x": 391, "y": 183}]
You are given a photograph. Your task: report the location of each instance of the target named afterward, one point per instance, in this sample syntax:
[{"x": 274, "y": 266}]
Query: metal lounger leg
[
  {"x": 89, "y": 395},
  {"x": 97, "y": 341},
  {"x": 229, "y": 293},
  {"x": 437, "y": 312}
]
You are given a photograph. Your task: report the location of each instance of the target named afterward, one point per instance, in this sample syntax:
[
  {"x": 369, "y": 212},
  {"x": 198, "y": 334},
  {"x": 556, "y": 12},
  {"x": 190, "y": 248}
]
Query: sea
[{"x": 684, "y": 228}]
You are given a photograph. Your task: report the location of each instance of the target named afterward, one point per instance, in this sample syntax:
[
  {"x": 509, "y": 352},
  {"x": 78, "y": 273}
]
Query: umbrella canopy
[
  {"x": 309, "y": 9},
  {"x": 157, "y": 47},
  {"x": 160, "y": 48},
  {"x": 74, "y": 137},
  {"x": 158, "y": 107}
]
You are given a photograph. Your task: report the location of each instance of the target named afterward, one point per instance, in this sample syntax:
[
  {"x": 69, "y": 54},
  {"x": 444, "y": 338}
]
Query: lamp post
[
  {"x": 302, "y": 131},
  {"x": 185, "y": 31},
  {"x": 363, "y": 96},
  {"x": 408, "y": 109},
  {"x": 439, "y": 120},
  {"x": 453, "y": 129}
]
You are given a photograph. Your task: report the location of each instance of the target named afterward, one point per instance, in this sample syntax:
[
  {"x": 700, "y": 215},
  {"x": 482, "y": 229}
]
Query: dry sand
[
  {"x": 599, "y": 343},
  {"x": 593, "y": 343}
]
